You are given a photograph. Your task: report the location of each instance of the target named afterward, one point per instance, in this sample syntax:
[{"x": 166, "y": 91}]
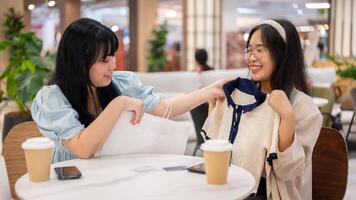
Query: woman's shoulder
[
  {"x": 300, "y": 98},
  {"x": 50, "y": 89},
  {"x": 126, "y": 80},
  {"x": 50, "y": 94},
  {"x": 124, "y": 75},
  {"x": 303, "y": 103}
]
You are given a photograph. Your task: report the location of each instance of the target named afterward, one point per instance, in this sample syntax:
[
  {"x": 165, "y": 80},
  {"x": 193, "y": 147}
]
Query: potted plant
[
  {"x": 157, "y": 58},
  {"x": 26, "y": 70},
  {"x": 346, "y": 70}
]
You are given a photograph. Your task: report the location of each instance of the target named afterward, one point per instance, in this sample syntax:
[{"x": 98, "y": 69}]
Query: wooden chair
[
  {"x": 330, "y": 165},
  {"x": 13, "y": 153}
]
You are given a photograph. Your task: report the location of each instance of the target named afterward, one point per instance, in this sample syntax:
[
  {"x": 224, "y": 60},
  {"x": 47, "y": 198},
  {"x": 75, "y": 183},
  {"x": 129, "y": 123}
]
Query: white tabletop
[
  {"x": 136, "y": 176},
  {"x": 320, "y": 102}
]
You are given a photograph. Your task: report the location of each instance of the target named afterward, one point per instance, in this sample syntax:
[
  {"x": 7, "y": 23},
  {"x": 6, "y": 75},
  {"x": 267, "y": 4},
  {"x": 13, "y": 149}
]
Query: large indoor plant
[
  {"x": 157, "y": 56},
  {"x": 26, "y": 70}
]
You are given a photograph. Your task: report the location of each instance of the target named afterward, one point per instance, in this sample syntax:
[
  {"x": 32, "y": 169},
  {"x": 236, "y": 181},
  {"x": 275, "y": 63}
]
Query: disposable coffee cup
[
  {"x": 38, "y": 155},
  {"x": 217, "y": 155}
]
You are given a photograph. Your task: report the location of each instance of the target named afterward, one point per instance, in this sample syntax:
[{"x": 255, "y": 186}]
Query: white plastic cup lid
[
  {"x": 216, "y": 145},
  {"x": 37, "y": 143}
]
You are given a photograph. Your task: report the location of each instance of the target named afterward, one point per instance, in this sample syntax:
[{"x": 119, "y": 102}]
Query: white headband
[{"x": 279, "y": 28}]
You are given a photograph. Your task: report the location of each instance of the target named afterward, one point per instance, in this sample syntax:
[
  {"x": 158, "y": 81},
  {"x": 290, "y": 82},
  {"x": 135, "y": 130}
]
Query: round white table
[
  {"x": 136, "y": 176},
  {"x": 320, "y": 102}
]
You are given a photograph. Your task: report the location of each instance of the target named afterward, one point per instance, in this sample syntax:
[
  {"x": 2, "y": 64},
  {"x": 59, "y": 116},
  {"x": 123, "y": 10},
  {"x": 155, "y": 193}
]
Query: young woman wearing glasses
[
  {"x": 276, "y": 63},
  {"x": 275, "y": 59}
]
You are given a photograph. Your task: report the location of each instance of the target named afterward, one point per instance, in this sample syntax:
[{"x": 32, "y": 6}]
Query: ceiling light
[
  {"x": 246, "y": 11},
  {"x": 115, "y": 28},
  {"x": 322, "y": 31},
  {"x": 31, "y": 6},
  {"x": 246, "y": 36},
  {"x": 317, "y": 5},
  {"x": 305, "y": 28},
  {"x": 300, "y": 12},
  {"x": 170, "y": 13},
  {"x": 295, "y": 6},
  {"x": 51, "y": 3}
]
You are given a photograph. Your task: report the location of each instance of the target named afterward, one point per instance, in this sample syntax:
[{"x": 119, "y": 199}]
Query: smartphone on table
[
  {"x": 200, "y": 168},
  {"x": 69, "y": 172}
]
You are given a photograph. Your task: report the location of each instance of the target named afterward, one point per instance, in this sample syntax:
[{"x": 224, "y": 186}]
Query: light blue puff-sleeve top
[{"x": 57, "y": 120}]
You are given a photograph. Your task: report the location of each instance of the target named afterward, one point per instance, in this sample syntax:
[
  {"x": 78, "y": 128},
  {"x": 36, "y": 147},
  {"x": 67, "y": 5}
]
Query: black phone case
[
  {"x": 200, "y": 169},
  {"x": 61, "y": 176}
]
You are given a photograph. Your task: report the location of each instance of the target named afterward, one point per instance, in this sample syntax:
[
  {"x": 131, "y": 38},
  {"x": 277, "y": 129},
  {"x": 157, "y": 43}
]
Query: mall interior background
[
  {"x": 219, "y": 26},
  {"x": 326, "y": 27}
]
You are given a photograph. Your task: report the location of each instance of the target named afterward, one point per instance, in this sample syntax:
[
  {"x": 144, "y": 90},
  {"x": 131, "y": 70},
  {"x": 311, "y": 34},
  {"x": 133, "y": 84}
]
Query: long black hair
[
  {"x": 289, "y": 70},
  {"x": 83, "y": 43}
]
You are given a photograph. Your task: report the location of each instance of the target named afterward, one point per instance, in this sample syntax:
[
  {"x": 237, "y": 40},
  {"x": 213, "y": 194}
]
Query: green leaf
[
  {"x": 5, "y": 73},
  {"x": 21, "y": 104},
  {"x": 28, "y": 65},
  {"x": 11, "y": 86},
  {"x": 4, "y": 44}
]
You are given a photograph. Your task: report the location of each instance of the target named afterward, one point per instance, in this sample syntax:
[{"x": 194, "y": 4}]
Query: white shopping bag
[{"x": 152, "y": 135}]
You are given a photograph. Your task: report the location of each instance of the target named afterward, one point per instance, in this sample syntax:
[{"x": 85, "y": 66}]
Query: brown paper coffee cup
[
  {"x": 38, "y": 155},
  {"x": 217, "y": 155}
]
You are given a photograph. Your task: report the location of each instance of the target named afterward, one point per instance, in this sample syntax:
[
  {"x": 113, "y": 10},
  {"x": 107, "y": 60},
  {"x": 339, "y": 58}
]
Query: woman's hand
[
  {"x": 133, "y": 105},
  {"x": 216, "y": 89},
  {"x": 279, "y": 102}
]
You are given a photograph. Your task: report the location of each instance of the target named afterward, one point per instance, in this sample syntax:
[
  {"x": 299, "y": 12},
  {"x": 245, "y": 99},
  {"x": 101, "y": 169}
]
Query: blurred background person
[{"x": 201, "y": 59}]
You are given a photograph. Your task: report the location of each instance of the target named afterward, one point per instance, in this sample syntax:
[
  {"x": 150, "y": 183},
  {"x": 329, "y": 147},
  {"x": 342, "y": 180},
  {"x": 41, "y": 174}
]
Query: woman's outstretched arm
[{"x": 184, "y": 103}]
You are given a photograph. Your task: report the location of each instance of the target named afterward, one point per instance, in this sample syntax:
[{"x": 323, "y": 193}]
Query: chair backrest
[
  {"x": 330, "y": 165},
  {"x": 328, "y": 94},
  {"x": 4, "y": 181},
  {"x": 13, "y": 153},
  {"x": 199, "y": 115},
  {"x": 353, "y": 97}
]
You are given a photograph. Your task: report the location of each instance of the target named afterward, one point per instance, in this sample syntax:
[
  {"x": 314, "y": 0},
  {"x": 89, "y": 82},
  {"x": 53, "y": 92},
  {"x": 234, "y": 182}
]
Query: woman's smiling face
[
  {"x": 259, "y": 59},
  {"x": 101, "y": 72}
]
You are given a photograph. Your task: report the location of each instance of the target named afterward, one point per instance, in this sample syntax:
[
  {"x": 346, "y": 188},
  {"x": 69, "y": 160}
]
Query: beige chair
[
  {"x": 326, "y": 93},
  {"x": 353, "y": 97},
  {"x": 5, "y": 193},
  {"x": 330, "y": 165},
  {"x": 13, "y": 153}
]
